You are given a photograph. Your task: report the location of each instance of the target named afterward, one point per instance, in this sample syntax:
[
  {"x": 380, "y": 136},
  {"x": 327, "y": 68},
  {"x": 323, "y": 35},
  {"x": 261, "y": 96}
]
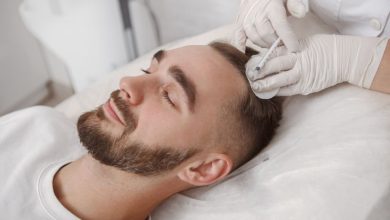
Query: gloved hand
[
  {"x": 262, "y": 21},
  {"x": 324, "y": 61}
]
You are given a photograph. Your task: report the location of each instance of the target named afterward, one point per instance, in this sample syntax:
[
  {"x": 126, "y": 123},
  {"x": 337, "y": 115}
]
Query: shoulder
[
  {"x": 46, "y": 130},
  {"x": 38, "y": 119},
  {"x": 36, "y": 111},
  {"x": 32, "y": 114}
]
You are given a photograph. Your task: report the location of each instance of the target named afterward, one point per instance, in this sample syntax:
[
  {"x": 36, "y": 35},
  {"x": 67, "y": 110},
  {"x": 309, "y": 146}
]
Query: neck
[{"x": 91, "y": 190}]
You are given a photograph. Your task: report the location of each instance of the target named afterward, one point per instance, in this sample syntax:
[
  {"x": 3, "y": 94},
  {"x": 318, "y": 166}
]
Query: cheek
[
  {"x": 157, "y": 124},
  {"x": 156, "y": 113}
]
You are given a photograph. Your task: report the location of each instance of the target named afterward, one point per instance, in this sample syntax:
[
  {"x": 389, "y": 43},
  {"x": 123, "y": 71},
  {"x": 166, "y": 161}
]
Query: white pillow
[{"x": 329, "y": 160}]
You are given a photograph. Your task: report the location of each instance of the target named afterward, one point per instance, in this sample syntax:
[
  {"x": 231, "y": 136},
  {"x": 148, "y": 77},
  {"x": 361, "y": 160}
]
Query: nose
[{"x": 132, "y": 89}]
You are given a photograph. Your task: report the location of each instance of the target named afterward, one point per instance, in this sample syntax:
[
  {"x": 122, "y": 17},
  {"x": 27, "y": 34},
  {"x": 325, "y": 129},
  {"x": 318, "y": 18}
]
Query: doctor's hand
[
  {"x": 324, "y": 61},
  {"x": 262, "y": 21}
]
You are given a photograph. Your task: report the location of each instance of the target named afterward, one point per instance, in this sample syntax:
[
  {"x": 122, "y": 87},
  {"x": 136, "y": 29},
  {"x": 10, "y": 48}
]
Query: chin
[{"x": 93, "y": 132}]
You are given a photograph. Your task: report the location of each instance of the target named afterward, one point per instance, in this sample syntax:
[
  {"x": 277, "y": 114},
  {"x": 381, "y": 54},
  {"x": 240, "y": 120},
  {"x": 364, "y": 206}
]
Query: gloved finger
[
  {"x": 266, "y": 32},
  {"x": 276, "y": 65},
  {"x": 250, "y": 66},
  {"x": 276, "y": 81},
  {"x": 254, "y": 61},
  {"x": 279, "y": 51},
  {"x": 238, "y": 39},
  {"x": 269, "y": 38},
  {"x": 242, "y": 12},
  {"x": 266, "y": 94},
  {"x": 278, "y": 19},
  {"x": 253, "y": 36},
  {"x": 298, "y": 8},
  {"x": 288, "y": 91}
]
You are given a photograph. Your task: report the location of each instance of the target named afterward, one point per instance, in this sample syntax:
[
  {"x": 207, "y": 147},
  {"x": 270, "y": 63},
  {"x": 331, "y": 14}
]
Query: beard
[{"x": 121, "y": 151}]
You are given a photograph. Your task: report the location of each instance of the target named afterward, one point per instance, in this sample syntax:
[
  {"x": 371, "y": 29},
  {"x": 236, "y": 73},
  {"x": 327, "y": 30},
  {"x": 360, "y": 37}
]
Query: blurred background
[{"x": 51, "y": 49}]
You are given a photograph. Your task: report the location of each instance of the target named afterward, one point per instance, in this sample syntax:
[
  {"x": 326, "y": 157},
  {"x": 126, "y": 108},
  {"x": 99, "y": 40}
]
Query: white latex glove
[
  {"x": 298, "y": 8},
  {"x": 262, "y": 21},
  {"x": 324, "y": 61}
]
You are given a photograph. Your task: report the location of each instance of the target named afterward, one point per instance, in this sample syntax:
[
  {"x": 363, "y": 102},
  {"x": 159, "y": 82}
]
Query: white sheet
[{"x": 329, "y": 160}]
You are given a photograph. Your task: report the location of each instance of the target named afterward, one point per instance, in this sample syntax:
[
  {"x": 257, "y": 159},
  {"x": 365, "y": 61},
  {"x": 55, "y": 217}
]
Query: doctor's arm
[
  {"x": 381, "y": 82},
  {"x": 327, "y": 60}
]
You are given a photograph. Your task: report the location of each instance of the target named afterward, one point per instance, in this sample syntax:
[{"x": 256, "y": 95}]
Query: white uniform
[
  {"x": 34, "y": 144},
  {"x": 355, "y": 17}
]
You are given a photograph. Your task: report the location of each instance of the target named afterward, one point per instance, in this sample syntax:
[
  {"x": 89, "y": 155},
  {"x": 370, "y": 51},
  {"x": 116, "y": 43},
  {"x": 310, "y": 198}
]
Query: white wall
[
  {"x": 23, "y": 74},
  {"x": 157, "y": 22},
  {"x": 86, "y": 35}
]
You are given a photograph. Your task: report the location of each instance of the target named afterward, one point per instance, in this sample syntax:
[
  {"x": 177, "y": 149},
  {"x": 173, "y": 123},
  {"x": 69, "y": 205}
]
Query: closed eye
[
  {"x": 166, "y": 97},
  {"x": 165, "y": 94},
  {"x": 145, "y": 71}
]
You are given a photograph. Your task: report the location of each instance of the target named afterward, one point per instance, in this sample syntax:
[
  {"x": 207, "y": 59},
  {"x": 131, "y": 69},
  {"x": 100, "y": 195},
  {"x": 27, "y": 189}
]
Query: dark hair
[{"x": 255, "y": 120}]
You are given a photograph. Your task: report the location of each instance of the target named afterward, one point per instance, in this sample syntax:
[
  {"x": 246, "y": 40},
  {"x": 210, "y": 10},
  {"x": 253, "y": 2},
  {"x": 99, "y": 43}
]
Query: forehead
[{"x": 214, "y": 77}]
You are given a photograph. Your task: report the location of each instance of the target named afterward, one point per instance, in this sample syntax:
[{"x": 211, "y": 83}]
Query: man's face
[{"x": 155, "y": 121}]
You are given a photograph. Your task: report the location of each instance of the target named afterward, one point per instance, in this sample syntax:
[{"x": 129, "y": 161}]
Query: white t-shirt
[{"x": 34, "y": 144}]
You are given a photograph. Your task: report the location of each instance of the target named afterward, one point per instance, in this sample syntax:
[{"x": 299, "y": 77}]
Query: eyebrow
[
  {"x": 185, "y": 83},
  {"x": 180, "y": 77},
  {"x": 159, "y": 55}
]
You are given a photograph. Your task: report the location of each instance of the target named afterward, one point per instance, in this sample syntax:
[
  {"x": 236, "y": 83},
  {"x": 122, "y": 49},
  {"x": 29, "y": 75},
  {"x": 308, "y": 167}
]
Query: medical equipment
[
  {"x": 266, "y": 56},
  {"x": 251, "y": 72}
]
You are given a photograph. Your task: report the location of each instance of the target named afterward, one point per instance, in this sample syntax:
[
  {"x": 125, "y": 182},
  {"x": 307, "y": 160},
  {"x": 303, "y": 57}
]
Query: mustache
[{"x": 124, "y": 108}]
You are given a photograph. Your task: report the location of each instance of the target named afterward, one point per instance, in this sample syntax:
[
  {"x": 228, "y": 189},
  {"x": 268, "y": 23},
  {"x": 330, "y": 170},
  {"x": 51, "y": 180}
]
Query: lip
[{"x": 110, "y": 110}]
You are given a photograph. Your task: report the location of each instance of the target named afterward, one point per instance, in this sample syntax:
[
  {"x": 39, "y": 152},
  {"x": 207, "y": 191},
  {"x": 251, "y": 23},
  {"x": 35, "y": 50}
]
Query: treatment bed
[{"x": 330, "y": 159}]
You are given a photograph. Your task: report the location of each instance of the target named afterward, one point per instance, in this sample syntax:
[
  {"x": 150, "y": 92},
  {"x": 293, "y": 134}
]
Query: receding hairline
[
  {"x": 226, "y": 51},
  {"x": 256, "y": 121},
  {"x": 230, "y": 111}
]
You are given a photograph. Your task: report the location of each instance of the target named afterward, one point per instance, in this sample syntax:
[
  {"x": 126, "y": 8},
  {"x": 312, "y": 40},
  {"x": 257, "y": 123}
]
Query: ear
[{"x": 206, "y": 171}]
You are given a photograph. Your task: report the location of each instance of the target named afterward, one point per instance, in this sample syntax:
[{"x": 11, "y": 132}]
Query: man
[{"x": 188, "y": 122}]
